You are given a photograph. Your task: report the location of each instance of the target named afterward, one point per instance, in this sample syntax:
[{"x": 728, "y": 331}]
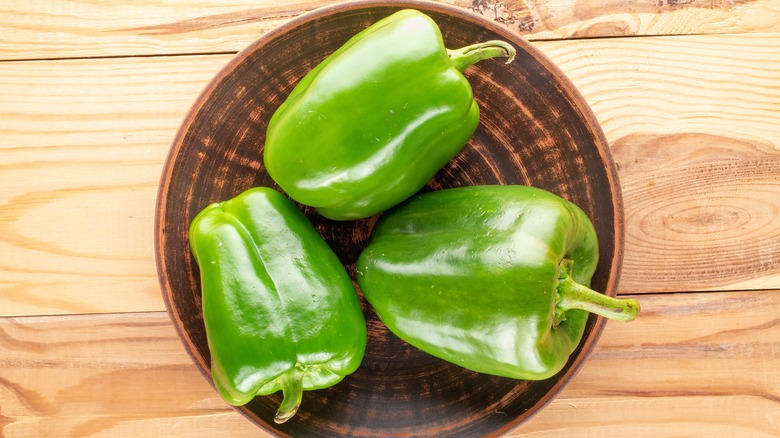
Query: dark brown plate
[{"x": 535, "y": 129}]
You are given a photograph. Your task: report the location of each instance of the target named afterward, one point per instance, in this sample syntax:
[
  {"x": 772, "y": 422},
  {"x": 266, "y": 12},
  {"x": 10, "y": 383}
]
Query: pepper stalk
[
  {"x": 466, "y": 56},
  {"x": 292, "y": 390},
  {"x": 572, "y": 295}
]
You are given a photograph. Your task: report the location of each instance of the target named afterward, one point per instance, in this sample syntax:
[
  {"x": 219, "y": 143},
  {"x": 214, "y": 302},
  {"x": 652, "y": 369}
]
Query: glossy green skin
[
  {"x": 373, "y": 123},
  {"x": 470, "y": 275},
  {"x": 278, "y": 304}
]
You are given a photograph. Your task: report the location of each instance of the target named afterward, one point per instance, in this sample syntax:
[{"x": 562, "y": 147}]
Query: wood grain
[
  {"x": 704, "y": 212},
  {"x": 686, "y": 358},
  {"x": 65, "y": 29},
  {"x": 117, "y": 375},
  {"x": 725, "y": 85},
  {"x": 697, "y": 142},
  {"x": 701, "y": 364},
  {"x": 82, "y": 144},
  {"x": 81, "y": 151},
  {"x": 567, "y": 19}
]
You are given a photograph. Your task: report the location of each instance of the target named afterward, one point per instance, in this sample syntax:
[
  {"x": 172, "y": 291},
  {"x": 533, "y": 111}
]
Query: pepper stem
[
  {"x": 292, "y": 390},
  {"x": 469, "y": 55},
  {"x": 572, "y": 295}
]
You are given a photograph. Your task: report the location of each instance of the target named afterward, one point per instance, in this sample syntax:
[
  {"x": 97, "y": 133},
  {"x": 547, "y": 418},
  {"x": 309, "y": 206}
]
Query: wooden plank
[
  {"x": 692, "y": 364},
  {"x": 119, "y": 375},
  {"x": 66, "y": 29},
  {"x": 82, "y": 144},
  {"x": 724, "y": 85},
  {"x": 693, "y": 126},
  {"x": 566, "y": 19},
  {"x": 689, "y": 356}
]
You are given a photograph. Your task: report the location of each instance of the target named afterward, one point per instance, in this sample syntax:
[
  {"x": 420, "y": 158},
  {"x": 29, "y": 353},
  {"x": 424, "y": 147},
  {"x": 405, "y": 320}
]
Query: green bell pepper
[
  {"x": 280, "y": 310},
  {"x": 373, "y": 123},
  {"x": 492, "y": 278}
]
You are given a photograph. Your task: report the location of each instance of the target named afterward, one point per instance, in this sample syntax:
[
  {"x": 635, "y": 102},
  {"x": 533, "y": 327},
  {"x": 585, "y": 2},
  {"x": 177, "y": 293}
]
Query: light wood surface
[
  {"x": 92, "y": 93},
  {"x": 701, "y": 364}
]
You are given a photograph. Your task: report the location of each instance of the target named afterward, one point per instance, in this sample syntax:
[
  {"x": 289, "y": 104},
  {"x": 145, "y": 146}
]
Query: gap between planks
[{"x": 101, "y": 57}]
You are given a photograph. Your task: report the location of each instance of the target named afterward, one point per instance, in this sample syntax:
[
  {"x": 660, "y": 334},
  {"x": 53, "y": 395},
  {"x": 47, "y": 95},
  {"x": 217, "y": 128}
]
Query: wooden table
[{"x": 92, "y": 93}]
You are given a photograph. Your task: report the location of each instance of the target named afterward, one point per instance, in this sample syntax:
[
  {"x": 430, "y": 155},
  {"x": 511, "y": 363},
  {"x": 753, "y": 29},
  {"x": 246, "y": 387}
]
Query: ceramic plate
[{"x": 535, "y": 129}]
